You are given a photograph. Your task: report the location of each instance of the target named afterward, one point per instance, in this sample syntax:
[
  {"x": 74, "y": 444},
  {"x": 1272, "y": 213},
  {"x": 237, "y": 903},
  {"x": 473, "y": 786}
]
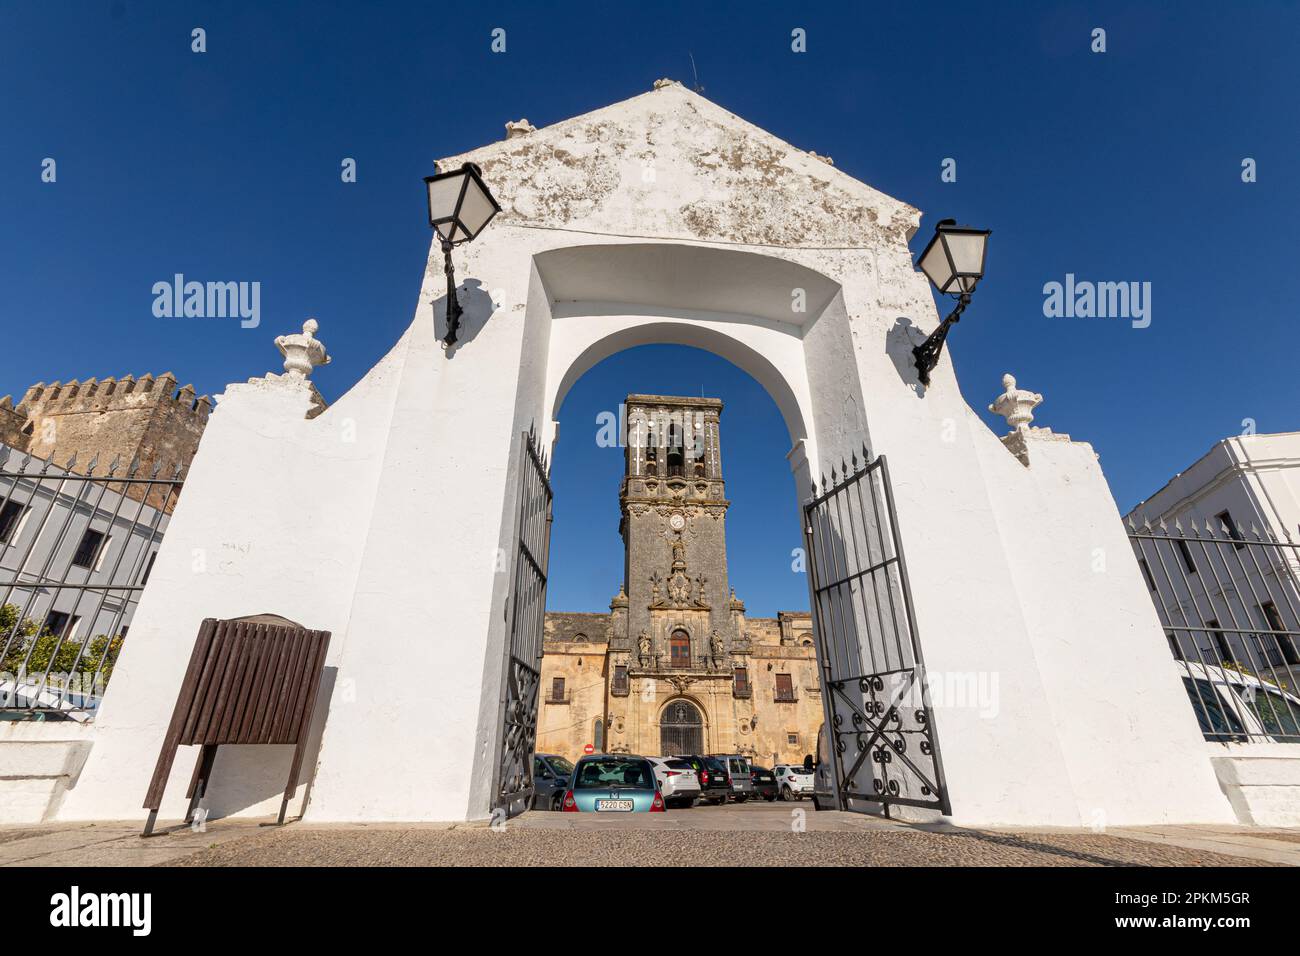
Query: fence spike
[
  {"x": 134, "y": 467},
  {"x": 853, "y": 457},
  {"x": 94, "y": 463},
  {"x": 1178, "y": 525},
  {"x": 866, "y": 455},
  {"x": 4, "y": 454},
  {"x": 72, "y": 462},
  {"x": 115, "y": 464},
  {"x": 157, "y": 467}
]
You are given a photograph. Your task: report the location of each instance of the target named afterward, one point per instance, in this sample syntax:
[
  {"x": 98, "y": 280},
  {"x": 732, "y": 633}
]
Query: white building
[
  {"x": 1217, "y": 546},
  {"x": 74, "y": 553},
  {"x": 663, "y": 218}
]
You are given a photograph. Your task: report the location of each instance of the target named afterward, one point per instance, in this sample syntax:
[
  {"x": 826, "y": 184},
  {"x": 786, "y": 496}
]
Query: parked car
[
  {"x": 794, "y": 782},
  {"x": 677, "y": 781},
  {"x": 742, "y": 783},
  {"x": 551, "y": 776},
  {"x": 715, "y": 783},
  {"x": 764, "y": 782},
  {"x": 613, "y": 783},
  {"x": 1230, "y": 705}
]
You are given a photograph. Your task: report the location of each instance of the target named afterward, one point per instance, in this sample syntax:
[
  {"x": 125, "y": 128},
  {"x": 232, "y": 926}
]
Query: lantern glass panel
[
  {"x": 476, "y": 210},
  {"x": 443, "y": 196},
  {"x": 967, "y": 250},
  {"x": 934, "y": 263}
]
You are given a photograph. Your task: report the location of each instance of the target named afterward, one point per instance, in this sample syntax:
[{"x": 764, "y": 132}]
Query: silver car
[{"x": 742, "y": 780}]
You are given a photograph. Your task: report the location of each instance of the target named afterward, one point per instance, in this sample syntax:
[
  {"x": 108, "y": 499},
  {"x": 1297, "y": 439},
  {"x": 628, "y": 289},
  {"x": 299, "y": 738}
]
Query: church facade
[{"x": 676, "y": 666}]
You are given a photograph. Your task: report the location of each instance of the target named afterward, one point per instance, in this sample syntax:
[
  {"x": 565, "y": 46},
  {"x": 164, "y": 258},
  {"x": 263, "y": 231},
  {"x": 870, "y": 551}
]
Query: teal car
[{"x": 613, "y": 783}]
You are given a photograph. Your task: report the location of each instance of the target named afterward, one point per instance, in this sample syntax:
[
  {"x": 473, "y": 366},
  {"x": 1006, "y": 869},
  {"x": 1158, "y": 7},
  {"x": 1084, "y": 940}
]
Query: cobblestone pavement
[
  {"x": 608, "y": 847},
  {"x": 752, "y": 835}
]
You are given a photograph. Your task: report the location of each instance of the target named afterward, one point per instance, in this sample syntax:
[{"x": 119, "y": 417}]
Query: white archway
[{"x": 751, "y": 309}]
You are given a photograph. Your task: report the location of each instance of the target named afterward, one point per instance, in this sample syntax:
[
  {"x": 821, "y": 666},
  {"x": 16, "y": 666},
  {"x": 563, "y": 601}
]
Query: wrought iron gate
[
  {"x": 880, "y": 728},
  {"x": 681, "y": 729},
  {"x": 526, "y": 611}
]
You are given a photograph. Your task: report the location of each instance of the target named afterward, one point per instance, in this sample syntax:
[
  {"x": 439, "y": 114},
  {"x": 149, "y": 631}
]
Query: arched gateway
[
  {"x": 681, "y": 729},
  {"x": 394, "y": 518}
]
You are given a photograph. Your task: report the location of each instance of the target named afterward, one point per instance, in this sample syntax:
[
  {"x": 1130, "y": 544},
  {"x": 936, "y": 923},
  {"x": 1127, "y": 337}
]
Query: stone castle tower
[{"x": 128, "y": 418}]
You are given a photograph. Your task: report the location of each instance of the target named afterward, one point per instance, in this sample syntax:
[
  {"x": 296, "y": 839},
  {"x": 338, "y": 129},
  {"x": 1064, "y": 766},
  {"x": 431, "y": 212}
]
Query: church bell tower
[{"x": 681, "y": 614}]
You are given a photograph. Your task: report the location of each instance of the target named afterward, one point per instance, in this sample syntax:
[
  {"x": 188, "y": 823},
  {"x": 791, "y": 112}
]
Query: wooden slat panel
[{"x": 285, "y": 688}]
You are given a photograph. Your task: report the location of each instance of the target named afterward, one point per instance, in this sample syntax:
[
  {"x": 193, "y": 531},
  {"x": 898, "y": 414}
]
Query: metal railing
[
  {"x": 1229, "y": 602},
  {"x": 76, "y": 549}
]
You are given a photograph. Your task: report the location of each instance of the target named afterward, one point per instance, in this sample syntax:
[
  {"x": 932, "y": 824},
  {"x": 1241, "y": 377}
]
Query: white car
[
  {"x": 1233, "y": 706},
  {"x": 678, "y": 781},
  {"x": 793, "y": 782}
]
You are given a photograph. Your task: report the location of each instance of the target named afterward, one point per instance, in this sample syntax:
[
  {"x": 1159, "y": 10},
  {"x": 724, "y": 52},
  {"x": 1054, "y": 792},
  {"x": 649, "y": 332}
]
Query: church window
[
  {"x": 679, "y": 649},
  {"x": 741, "y": 684},
  {"x": 792, "y": 740},
  {"x": 598, "y": 736},
  {"x": 784, "y": 687},
  {"x": 619, "y": 687},
  {"x": 557, "y": 689}
]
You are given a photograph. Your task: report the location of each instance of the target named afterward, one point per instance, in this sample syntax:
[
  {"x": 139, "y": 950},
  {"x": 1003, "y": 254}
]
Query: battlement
[
  {"x": 111, "y": 394},
  {"x": 146, "y": 419}
]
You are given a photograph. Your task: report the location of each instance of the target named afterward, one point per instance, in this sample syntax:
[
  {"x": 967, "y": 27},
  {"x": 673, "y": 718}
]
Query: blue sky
[{"x": 1120, "y": 166}]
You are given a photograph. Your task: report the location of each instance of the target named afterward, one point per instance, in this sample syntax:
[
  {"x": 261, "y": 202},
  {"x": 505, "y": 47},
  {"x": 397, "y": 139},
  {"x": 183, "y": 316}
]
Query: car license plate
[{"x": 604, "y": 805}]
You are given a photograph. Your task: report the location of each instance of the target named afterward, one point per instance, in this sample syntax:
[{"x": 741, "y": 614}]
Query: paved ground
[{"x": 750, "y": 835}]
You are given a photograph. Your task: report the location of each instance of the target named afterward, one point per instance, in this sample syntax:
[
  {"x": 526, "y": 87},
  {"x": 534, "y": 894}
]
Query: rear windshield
[
  {"x": 613, "y": 771},
  {"x": 738, "y": 765},
  {"x": 762, "y": 774},
  {"x": 678, "y": 765},
  {"x": 560, "y": 765}
]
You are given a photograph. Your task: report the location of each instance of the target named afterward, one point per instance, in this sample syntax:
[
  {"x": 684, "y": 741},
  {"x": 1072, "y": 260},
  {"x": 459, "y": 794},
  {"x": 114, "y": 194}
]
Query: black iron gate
[
  {"x": 526, "y": 611},
  {"x": 880, "y": 728},
  {"x": 681, "y": 729}
]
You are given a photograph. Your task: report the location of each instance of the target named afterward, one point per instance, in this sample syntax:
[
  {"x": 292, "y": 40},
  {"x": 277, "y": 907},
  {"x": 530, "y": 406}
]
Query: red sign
[{"x": 589, "y": 749}]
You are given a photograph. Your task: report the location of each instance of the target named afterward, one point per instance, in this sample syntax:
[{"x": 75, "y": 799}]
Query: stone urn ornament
[
  {"x": 302, "y": 352},
  {"x": 1016, "y": 405}
]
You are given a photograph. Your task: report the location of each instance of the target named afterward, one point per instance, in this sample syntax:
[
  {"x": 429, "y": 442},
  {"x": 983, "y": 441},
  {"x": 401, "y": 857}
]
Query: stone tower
[
  {"x": 681, "y": 614},
  {"x": 112, "y": 418}
]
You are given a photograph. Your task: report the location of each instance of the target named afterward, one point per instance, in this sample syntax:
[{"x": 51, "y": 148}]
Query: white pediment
[{"x": 672, "y": 164}]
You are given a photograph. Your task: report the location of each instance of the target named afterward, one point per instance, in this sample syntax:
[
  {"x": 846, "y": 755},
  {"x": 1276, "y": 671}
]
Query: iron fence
[
  {"x": 1229, "y": 602},
  {"x": 76, "y": 549}
]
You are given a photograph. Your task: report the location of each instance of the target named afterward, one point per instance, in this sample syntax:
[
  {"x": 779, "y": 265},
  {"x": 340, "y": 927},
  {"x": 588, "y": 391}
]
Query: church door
[{"x": 681, "y": 729}]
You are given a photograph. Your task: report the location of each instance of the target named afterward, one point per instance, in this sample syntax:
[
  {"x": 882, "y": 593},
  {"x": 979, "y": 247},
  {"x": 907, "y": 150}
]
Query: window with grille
[
  {"x": 784, "y": 687},
  {"x": 1283, "y": 642},
  {"x": 557, "y": 688},
  {"x": 741, "y": 676},
  {"x": 1220, "y": 642},
  {"x": 61, "y": 624},
  {"x": 88, "y": 550},
  {"x": 10, "y": 512},
  {"x": 1225, "y": 519},
  {"x": 619, "y": 687}
]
